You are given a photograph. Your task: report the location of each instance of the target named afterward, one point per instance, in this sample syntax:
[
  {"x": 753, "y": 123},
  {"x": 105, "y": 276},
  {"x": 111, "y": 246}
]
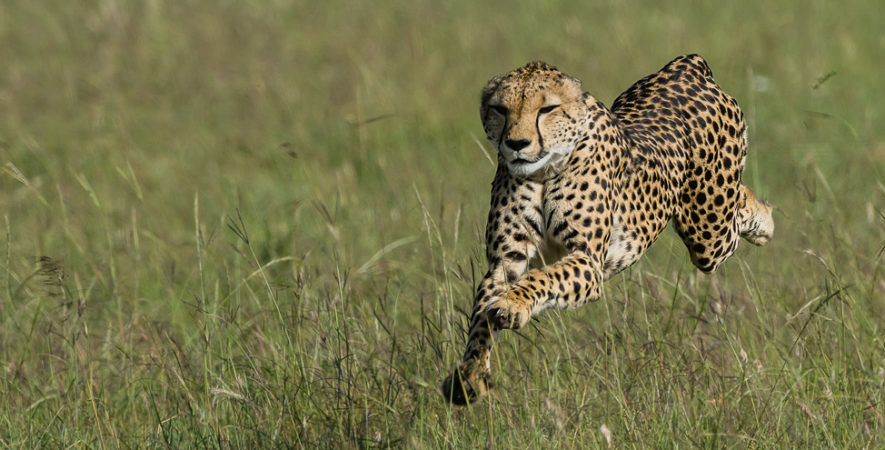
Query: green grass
[{"x": 240, "y": 224}]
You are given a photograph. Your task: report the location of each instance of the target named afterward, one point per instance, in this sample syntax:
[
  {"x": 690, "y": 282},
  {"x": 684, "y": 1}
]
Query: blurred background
[{"x": 238, "y": 223}]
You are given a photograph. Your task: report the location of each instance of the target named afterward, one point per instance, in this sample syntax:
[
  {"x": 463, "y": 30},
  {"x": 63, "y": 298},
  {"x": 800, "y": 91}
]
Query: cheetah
[{"x": 585, "y": 190}]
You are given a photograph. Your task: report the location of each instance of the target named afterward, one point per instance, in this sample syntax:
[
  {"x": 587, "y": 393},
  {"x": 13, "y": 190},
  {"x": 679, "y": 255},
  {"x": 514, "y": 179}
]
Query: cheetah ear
[
  {"x": 490, "y": 89},
  {"x": 572, "y": 84},
  {"x": 578, "y": 83}
]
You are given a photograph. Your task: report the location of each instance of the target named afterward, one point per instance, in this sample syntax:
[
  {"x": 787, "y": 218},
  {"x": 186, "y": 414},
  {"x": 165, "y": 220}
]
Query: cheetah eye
[
  {"x": 547, "y": 109},
  {"x": 499, "y": 109}
]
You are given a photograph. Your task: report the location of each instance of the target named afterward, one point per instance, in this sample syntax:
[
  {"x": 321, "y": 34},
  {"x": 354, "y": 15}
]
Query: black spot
[
  {"x": 532, "y": 223},
  {"x": 515, "y": 256},
  {"x": 560, "y": 227}
]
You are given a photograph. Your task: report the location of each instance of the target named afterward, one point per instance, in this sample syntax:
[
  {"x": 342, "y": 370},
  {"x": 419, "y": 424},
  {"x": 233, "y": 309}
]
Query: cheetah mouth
[
  {"x": 525, "y": 167},
  {"x": 523, "y": 161}
]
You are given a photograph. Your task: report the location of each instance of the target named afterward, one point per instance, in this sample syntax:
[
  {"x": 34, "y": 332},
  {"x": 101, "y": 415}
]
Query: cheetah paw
[
  {"x": 468, "y": 384},
  {"x": 508, "y": 312}
]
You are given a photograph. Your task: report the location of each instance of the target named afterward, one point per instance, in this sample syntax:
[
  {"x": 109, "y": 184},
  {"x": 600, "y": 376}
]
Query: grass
[{"x": 258, "y": 224}]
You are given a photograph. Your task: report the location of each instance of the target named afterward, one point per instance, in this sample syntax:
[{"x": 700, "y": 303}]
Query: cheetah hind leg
[{"x": 754, "y": 219}]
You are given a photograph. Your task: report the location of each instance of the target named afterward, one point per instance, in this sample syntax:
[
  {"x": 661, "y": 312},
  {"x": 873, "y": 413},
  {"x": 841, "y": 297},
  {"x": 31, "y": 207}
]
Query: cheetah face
[{"x": 532, "y": 116}]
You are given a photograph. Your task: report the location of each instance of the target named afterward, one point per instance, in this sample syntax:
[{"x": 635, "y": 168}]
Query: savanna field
[{"x": 259, "y": 224}]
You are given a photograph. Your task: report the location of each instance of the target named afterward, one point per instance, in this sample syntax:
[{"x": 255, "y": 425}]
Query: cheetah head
[{"x": 532, "y": 117}]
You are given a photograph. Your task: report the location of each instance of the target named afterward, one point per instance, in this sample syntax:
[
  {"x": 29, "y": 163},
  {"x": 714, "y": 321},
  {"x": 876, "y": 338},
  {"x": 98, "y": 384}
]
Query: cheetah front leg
[
  {"x": 512, "y": 234},
  {"x": 472, "y": 378},
  {"x": 579, "y": 216},
  {"x": 569, "y": 283}
]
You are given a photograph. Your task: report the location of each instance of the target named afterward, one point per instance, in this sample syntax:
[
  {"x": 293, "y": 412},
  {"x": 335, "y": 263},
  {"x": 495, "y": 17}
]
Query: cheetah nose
[{"x": 517, "y": 144}]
